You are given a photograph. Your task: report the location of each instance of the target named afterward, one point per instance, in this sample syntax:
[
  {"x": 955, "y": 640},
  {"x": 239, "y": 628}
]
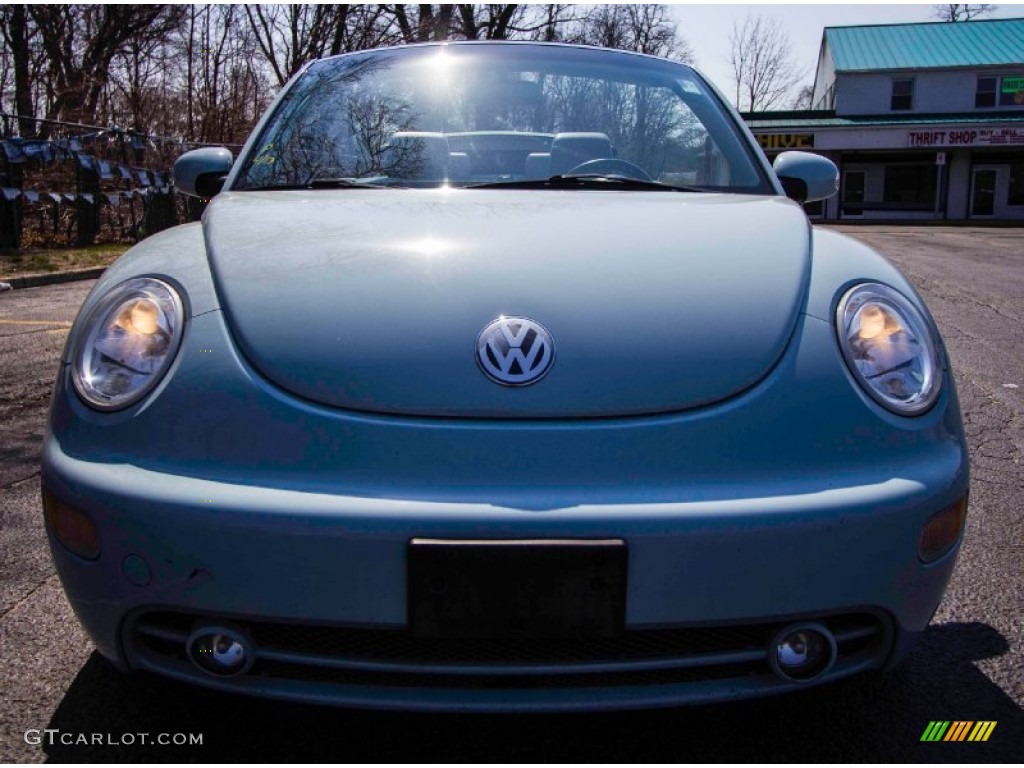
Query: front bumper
[{"x": 258, "y": 556}]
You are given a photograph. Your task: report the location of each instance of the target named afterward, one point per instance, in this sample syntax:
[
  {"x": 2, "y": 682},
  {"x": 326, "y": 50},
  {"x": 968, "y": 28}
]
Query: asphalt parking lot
[{"x": 968, "y": 666}]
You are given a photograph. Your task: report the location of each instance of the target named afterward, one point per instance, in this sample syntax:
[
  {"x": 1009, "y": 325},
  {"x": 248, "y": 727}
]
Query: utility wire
[{"x": 117, "y": 131}]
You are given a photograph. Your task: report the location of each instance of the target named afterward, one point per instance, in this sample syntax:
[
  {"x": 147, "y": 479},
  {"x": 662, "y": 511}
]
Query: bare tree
[
  {"x": 18, "y": 31},
  {"x": 135, "y": 96},
  {"x": 421, "y": 23},
  {"x": 81, "y": 41},
  {"x": 652, "y": 31},
  {"x": 204, "y": 72},
  {"x": 804, "y": 98},
  {"x": 225, "y": 86},
  {"x": 958, "y": 12},
  {"x": 550, "y": 20},
  {"x": 491, "y": 22},
  {"x": 494, "y": 21},
  {"x": 289, "y": 36},
  {"x": 763, "y": 65},
  {"x": 644, "y": 28}
]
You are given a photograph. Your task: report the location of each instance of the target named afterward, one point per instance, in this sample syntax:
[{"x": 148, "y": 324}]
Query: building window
[
  {"x": 985, "y": 96},
  {"x": 912, "y": 185},
  {"x": 1011, "y": 94},
  {"x": 1015, "y": 196},
  {"x": 853, "y": 187},
  {"x": 902, "y": 94}
]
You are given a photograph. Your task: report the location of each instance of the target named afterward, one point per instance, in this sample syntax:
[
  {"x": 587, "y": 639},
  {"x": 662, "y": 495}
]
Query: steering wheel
[{"x": 612, "y": 166}]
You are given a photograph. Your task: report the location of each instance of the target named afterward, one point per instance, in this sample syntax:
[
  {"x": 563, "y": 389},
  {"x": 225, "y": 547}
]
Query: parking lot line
[{"x": 61, "y": 323}]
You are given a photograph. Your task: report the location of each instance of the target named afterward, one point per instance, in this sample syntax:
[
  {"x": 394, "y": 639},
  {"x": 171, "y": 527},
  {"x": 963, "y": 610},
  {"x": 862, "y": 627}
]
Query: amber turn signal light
[
  {"x": 942, "y": 531},
  {"x": 74, "y": 529}
]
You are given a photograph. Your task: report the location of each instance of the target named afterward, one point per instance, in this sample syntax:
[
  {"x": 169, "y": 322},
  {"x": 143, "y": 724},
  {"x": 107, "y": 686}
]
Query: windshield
[{"x": 464, "y": 115}]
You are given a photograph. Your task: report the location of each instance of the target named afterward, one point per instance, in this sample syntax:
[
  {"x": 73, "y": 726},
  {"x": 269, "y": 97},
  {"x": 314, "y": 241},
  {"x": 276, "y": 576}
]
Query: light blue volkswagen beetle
[{"x": 504, "y": 377}]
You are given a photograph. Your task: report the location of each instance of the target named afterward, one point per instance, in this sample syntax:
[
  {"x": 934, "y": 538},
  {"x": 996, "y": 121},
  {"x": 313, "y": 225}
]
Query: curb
[
  {"x": 34, "y": 281},
  {"x": 923, "y": 223}
]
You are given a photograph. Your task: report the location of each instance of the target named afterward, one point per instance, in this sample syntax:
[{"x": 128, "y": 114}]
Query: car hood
[{"x": 374, "y": 299}]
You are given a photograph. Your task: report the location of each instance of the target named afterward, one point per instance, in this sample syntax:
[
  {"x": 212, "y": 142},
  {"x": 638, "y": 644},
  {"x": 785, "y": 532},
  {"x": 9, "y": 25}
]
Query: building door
[{"x": 983, "y": 190}]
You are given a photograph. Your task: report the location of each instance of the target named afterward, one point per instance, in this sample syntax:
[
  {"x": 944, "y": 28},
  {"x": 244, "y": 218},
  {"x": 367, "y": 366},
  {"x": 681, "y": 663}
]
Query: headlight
[
  {"x": 890, "y": 348},
  {"x": 127, "y": 343}
]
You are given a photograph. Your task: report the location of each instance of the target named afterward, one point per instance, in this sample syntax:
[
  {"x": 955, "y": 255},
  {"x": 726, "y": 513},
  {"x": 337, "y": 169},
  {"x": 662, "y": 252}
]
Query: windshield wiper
[
  {"x": 586, "y": 181},
  {"x": 341, "y": 183}
]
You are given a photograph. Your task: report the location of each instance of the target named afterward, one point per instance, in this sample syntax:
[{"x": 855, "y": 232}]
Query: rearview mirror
[
  {"x": 806, "y": 177},
  {"x": 201, "y": 172}
]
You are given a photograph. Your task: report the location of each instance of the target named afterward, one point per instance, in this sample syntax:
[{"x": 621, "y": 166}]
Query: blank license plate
[{"x": 517, "y": 589}]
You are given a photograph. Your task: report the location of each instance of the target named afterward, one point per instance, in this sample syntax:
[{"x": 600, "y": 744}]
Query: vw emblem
[{"x": 515, "y": 351}]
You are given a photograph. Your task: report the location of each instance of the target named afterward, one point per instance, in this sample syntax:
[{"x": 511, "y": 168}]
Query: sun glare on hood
[{"x": 428, "y": 247}]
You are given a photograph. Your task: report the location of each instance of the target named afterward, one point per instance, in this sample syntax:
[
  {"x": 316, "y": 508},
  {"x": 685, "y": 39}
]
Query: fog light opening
[
  {"x": 220, "y": 651},
  {"x": 801, "y": 653},
  {"x": 942, "y": 531}
]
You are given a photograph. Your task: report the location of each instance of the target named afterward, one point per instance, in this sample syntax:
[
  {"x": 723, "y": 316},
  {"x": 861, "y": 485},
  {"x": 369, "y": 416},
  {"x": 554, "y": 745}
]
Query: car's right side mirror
[
  {"x": 201, "y": 172},
  {"x": 806, "y": 177}
]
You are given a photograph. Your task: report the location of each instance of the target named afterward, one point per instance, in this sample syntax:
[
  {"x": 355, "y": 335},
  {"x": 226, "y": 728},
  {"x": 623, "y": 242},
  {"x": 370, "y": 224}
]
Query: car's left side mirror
[
  {"x": 201, "y": 172},
  {"x": 806, "y": 177}
]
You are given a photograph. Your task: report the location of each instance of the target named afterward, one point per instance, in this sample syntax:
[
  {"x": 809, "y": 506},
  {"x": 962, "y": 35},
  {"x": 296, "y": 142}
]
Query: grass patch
[{"x": 29, "y": 261}]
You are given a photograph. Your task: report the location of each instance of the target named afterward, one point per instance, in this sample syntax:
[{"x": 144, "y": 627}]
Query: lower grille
[
  {"x": 393, "y": 658},
  {"x": 511, "y": 681}
]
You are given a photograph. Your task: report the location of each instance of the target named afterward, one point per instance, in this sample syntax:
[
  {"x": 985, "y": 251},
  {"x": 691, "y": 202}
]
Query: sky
[{"x": 707, "y": 28}]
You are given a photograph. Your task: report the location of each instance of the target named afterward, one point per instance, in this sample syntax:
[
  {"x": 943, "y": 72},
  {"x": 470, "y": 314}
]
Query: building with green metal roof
[
  {"x": 931, "y": 45},
  {"x": 925, "y": 121}
]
